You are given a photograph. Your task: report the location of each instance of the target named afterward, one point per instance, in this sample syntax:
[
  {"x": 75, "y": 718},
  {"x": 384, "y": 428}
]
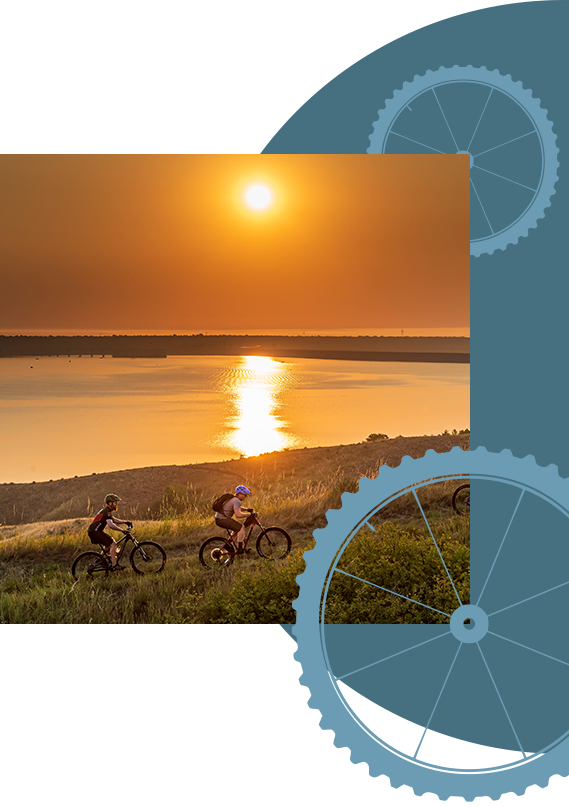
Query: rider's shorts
[
  {"x": 100, "y": 538},
  {"x": 228, "y": 524}
]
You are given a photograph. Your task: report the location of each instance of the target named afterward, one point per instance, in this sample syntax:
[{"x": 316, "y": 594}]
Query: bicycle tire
[
  {"x": 458, "y": 505},
  {"x": 402, "y": 128},
  {"x": 514, "y": 675},
  {"x": 89, "y": 565},
  {"x": 225, "y": 560},
  {"x": 282, "y": 544},
  {"x": 155, "y": 558}
]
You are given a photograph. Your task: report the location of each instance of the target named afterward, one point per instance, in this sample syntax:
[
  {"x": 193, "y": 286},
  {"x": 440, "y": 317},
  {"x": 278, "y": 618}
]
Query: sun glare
[
  {"x": 258, "y": 197},
  {"x": 256, "y": 386}
]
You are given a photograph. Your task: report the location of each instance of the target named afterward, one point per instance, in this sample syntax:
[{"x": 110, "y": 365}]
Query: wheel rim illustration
[
  {"x": 479, "y": 692},
  {"x": 499, "y": 124}
]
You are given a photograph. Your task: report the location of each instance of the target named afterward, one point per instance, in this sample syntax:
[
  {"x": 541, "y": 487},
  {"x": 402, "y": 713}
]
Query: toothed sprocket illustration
[
  {"x": 462, "y": 691},
  {"x": 500, "y": 124}
]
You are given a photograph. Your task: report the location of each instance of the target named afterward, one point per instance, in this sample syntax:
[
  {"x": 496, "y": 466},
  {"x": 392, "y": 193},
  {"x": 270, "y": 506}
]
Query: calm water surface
[{"x": 61, "y": 417}]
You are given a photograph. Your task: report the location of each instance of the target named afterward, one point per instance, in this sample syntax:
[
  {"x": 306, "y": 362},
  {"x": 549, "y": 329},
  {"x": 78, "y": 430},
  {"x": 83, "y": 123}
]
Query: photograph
[{"x": 201, "y": 354}]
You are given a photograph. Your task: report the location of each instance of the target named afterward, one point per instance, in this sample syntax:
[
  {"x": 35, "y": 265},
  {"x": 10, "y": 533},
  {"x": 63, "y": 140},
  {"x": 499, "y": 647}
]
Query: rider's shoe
[
  {"x": 240, "y": 549},
  {"x": 117, "y": 568}
]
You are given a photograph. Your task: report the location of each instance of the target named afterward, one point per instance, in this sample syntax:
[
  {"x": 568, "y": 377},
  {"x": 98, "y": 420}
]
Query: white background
[{"x": 177, "y": 715}]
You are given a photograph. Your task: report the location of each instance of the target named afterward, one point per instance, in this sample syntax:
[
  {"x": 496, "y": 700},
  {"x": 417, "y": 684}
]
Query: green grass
[
  {"x": 402, "y": 557},
  {"x": 36, "y": 585}
]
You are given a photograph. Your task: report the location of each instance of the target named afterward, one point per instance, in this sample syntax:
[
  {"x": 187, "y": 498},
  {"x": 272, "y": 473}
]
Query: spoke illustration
[
  {"x": 501, "y": 701},
  {"x": 407, "y": 649},
  {"x": 479, "y": 119},
  {"x": 481, "y": 205},
  {"x": 424, "y": 145},
  {"x": 533, "y": 131},
  {"x": 437, "y": 703},
  {"x": 527, "y": 599},
  {"x": 446, "y": 121},
  {"x": 438, "y": 550},
  {"x": 534, "y": 190},
  {"x": 501, "y": 545},
  {"x": 533, "y": 650},
  {"x": 369, "y": 583}
]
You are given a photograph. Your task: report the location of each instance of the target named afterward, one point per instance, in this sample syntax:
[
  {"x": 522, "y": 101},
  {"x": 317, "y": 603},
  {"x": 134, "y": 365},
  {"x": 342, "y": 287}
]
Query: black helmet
[{"x": 112, "y": 497}]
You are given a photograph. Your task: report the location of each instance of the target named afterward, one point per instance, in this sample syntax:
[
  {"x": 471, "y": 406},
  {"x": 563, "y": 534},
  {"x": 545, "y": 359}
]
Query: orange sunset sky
[{"x": 154, "y": 242}]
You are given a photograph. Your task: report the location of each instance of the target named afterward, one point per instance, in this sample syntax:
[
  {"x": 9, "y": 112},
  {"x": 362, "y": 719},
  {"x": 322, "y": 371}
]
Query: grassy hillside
[
  {"x": 292, "y": 490},
  {"x": 156, "y": 491}
]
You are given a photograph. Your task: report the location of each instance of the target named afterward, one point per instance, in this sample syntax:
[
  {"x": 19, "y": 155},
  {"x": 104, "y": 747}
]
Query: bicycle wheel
[
  {"x": 499, "y": 124},
  {"x": 273, "y": 543},
  {"x": 461, "y": 500},
  {"x": 217, "y": 553},
  {"x": 147, "y": 558},
  {"x": 90, "y": 566},
  {"x": 473, "y": 686}
]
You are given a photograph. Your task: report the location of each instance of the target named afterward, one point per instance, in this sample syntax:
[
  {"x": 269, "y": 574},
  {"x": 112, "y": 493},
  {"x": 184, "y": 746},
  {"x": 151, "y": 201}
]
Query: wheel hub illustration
[
  {"x": 434, "y": 646},
  {"x": 469, "y": 624},
  {"x": 503, "y": 129}
]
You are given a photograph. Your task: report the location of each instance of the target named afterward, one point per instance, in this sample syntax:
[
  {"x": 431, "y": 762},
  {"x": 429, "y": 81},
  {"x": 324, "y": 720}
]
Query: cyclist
[
  {"x": 232, "y": 510},
  {"x": 103, "y": 519}
]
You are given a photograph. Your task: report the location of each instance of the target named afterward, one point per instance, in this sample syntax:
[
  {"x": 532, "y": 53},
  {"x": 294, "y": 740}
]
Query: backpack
[{"x": 220, "y": 501}]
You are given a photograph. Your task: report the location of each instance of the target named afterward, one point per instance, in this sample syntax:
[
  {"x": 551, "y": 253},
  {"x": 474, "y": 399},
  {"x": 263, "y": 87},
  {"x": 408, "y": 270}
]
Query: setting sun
[{"x": 258, "y": 197}]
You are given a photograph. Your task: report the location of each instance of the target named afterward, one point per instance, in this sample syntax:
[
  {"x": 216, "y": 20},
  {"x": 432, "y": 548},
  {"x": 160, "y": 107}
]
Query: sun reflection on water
[{"x": 255, "y": 387}]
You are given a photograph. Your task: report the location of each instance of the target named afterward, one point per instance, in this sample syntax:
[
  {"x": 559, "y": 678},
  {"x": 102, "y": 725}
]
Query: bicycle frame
[
  {"x": 124, "y": 540},
  {"x": 254, "y": 523}
]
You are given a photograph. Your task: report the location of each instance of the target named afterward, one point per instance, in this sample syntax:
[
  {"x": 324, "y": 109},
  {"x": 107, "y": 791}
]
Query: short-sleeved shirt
[
  {"x": 100, "y": 521},
  {"x": 229, "y": 508}
]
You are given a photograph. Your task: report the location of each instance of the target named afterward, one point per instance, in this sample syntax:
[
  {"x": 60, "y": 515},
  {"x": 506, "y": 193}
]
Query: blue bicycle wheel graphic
[
  {"x": 422, "y": 677},
  {"x": 499, "y": 124}
]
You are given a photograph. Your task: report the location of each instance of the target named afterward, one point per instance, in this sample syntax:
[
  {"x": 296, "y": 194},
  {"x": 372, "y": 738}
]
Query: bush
[
  {"x": 262, "y": 594},
  {"x": 375, "y": 438},
  {"x": 405, "y": 561}
]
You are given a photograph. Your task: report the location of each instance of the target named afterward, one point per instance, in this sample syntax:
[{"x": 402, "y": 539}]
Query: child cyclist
[
  {"x": 231, "y": 510},
  {"x": 103, "y": 519}
]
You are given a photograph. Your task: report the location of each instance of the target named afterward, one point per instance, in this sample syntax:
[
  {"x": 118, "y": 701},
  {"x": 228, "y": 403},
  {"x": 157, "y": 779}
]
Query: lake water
[{"x": 62, "y": 417}]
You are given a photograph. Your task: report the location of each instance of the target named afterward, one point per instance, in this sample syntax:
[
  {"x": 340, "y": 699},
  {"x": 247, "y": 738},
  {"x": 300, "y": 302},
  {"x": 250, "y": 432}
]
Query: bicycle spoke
[
  {"x": 437, "y": 703},
  {"x": 438, "y": 550},
  {"x": 481, "y": 205},
  {"x": 479, "y": 119},
  {"x": 424, "y": 145},
  {"x": 446, "y": 121},
  {"x": 407, "y": 649},
  {"x": 541, "y": 593},
  {"x": 500, "y": 547},
  {"x": 527, "y": 648},
  {"x": 501, "y": 701},
  {"x": 534, "y": 190},
  {"x": 533, "y": 131},
  {"x": 422, "y": 604}
]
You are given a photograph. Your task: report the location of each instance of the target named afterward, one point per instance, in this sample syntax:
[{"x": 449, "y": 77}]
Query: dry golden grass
[{"x": 144, "y": 489}]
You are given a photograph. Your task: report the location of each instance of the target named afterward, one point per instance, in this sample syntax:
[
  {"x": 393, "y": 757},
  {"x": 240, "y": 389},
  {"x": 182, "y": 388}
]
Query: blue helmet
[{"x": 242, "y": 489}]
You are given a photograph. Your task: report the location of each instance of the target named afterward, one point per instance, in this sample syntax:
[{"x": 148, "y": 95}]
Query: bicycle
[
  {"x": 461, "y": 500},
  {"x": 273, "y": 543},
  {"x": 147, "y": 557}
]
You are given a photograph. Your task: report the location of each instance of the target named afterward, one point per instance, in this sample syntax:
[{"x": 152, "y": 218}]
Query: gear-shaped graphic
[
  {"x": 504, "y": 129},
  {"x": 470, "y": 702}
]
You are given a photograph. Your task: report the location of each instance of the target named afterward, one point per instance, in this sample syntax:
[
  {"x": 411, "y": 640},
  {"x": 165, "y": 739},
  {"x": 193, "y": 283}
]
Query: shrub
[
  {"x": 405, "y": 561},
  {"x": 376, "y": 437}
]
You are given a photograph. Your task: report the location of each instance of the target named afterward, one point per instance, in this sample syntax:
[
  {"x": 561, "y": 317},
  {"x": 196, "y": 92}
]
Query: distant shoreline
[{"x": 444, "y": 349}]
